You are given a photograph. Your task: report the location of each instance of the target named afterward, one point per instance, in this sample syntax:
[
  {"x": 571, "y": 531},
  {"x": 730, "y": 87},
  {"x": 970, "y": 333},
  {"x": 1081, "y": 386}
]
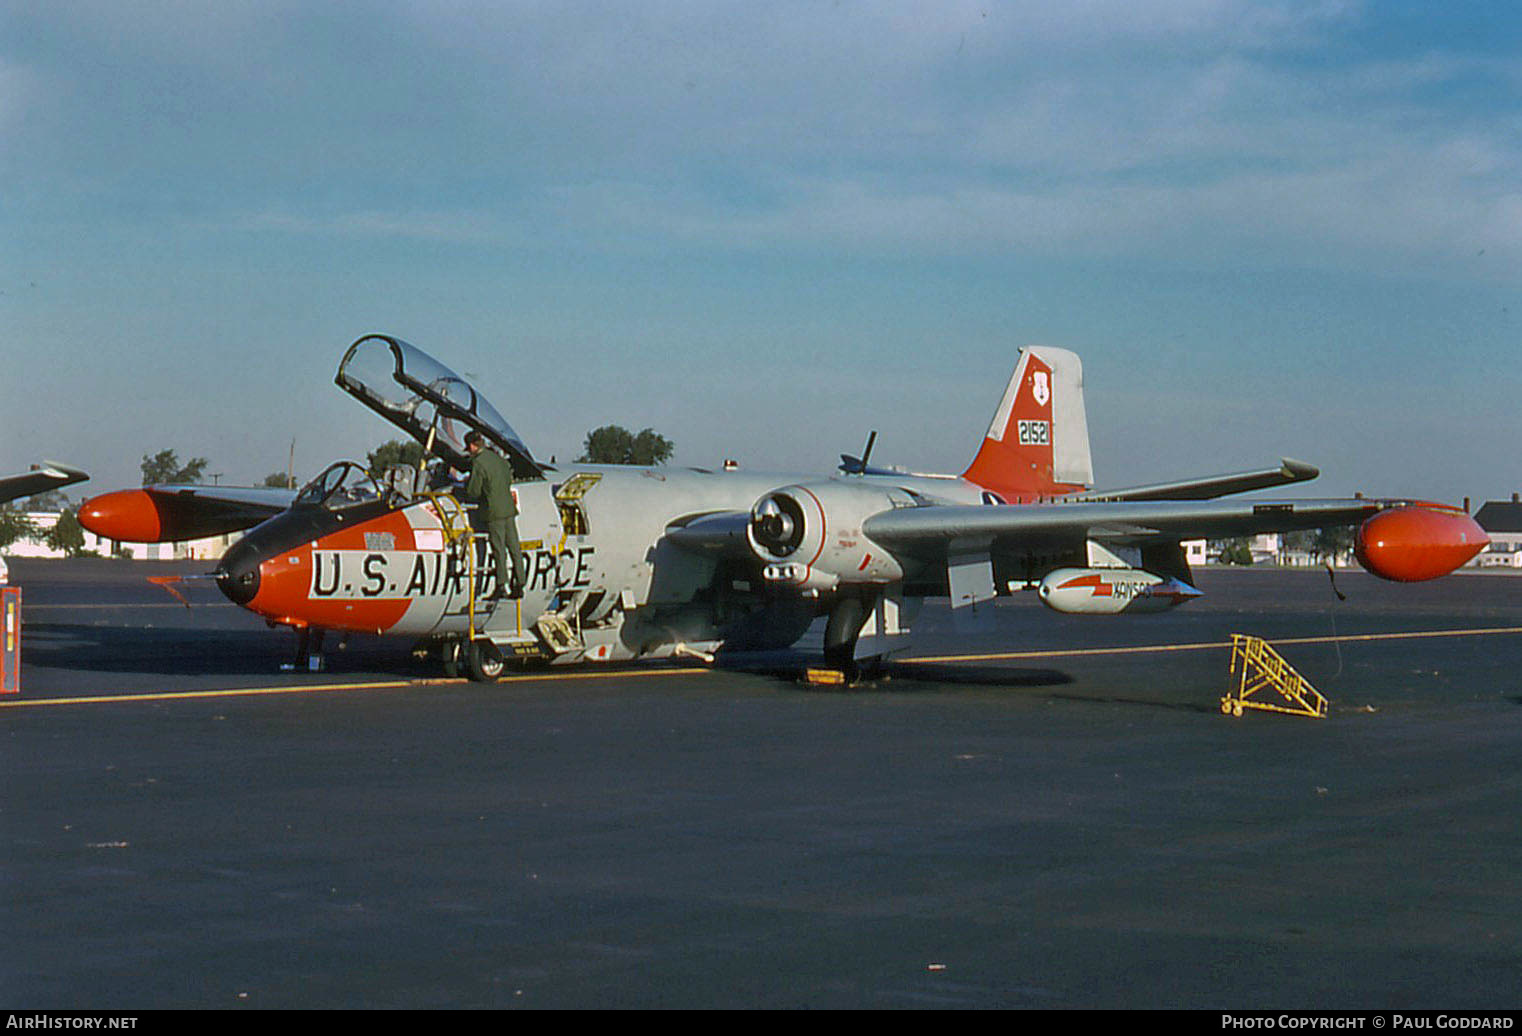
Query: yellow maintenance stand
[{"x": 1256, "y": 667}]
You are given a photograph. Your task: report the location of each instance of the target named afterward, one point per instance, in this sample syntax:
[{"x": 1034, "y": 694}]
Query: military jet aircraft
[{"x": 628, "y": 562}]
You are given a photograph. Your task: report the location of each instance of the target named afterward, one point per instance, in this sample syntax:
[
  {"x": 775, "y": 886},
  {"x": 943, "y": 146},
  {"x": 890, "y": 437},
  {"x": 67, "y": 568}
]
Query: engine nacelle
[
  {"x": 810, "y": 537},
  {"x": 1110, "y": 591}
]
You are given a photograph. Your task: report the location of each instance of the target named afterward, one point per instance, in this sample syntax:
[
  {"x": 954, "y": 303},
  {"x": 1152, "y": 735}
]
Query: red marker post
[{"x": 10, "y": 640}]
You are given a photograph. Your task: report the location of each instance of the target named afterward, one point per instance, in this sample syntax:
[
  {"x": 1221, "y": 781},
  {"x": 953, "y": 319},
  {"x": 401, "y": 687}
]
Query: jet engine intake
[
  {"x": 777, "y": 524},
  {"x": 810, "y": 537}
]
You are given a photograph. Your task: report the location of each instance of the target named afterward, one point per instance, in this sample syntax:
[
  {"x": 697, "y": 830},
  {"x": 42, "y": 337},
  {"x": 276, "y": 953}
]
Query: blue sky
[{"x": 765, "y": 229}]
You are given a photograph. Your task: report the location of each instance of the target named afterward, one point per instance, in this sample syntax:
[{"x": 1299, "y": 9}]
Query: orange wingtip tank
[
  {"x": 127, "y": 514},
  {"x": 1416, "y": 542}
]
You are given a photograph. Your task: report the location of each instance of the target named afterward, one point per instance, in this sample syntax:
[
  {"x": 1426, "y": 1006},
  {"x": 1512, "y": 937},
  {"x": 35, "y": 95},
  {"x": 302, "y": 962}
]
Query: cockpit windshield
[
  {"x": 429, "y": 401},
  {"x": 343, "y": 484}
]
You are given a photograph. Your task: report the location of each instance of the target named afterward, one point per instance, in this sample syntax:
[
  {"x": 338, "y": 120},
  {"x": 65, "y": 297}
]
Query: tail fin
[{"x": 1038, "y": 442}]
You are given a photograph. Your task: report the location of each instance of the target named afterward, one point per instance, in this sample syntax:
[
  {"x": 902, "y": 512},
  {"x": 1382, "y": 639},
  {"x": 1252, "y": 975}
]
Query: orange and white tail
[{"x": 1038, "y": 443}]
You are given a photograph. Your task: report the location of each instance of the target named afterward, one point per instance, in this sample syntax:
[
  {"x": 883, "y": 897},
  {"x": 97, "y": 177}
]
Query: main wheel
[
  {"x": 454, "y": 658},
  {"x": 483, "y": 662}
]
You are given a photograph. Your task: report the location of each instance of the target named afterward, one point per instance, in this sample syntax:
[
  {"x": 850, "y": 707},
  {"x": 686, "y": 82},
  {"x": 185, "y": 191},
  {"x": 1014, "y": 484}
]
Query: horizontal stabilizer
[{"x": 1287, "y": 473}]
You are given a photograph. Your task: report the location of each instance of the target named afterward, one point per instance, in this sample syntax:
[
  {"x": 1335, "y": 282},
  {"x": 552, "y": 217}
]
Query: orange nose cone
[
  {"x": 1409, "y": 544},
  {"x": 128, "y": 514}
]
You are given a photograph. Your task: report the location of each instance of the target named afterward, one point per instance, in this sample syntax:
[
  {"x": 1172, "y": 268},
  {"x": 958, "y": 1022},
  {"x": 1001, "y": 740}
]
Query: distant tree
[
  {"x": 612, "y": 444},
  {"x": 651, "y": 448},
  {"x": 52, "y": 500},
  {"x": 392, "y": 453},
  {"x": 1334, "y": 541},
  {"x": 67, "y": 534},
  {"x": 1322, "y": 544},
  {"x": 278, "y": 480},
  {"x": 1236, "y": 552},
  {"x": 14, "y": 525},
  {"x": 1301, "y": 539},
  {"x": 165, "y": 466}
]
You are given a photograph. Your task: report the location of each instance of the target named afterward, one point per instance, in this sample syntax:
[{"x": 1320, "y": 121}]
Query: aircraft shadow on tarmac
[
  {"x": 173, "y": 651},
  {"x": 898, "y": 676},
  {"x": 902, "y": 673},
  {"x": 178, "y": 652},
  {"x": 976, "y": 675}
]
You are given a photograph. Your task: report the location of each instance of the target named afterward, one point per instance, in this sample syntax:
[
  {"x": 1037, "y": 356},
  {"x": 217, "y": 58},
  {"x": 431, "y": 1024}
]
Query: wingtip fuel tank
[
  {"x": 1418, "y": 542},
  {"x": 129, "y": 515}
]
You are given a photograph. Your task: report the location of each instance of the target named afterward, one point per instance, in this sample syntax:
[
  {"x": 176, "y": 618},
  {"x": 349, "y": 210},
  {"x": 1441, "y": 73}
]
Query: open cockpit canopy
[{"x": 428, "y": 401}]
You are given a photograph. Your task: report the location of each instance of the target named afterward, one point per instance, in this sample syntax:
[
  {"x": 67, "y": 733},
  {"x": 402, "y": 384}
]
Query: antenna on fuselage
[{"x": 858, "y": 465}]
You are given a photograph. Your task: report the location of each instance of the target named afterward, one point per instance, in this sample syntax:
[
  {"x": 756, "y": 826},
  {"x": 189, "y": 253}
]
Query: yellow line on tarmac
[
  {"x": 382, "y": 685},
  {"x": 1206, "y": 646},
  {"x": 121, "y": 604},
  {"x": 379, "y": 685}
]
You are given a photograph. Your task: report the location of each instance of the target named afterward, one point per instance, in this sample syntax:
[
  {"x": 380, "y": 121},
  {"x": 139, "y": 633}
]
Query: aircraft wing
[
  {"x": 156, "y": 514},
  {"x": 930, "y": 531},
  {"x": 41, "y": 478}
]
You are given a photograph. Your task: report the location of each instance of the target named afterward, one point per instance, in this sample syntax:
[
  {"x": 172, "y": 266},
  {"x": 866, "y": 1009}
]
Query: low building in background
[
  {"x": 1502, "y": 522},
  {"x": 36, "y": 545}
]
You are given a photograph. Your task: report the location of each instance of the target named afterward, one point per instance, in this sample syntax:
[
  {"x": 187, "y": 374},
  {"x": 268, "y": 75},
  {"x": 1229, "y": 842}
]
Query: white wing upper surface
[{"x": 925, "y": 531}]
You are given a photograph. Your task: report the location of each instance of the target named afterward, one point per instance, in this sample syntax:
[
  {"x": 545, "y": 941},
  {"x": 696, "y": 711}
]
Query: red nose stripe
[
  {"x": 1410, "y": 544},
  {"x": 128, "y": 514},
  {"x": 285, "y": 596}
]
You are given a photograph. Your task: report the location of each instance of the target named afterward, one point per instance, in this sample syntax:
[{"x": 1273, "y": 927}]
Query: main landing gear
[
  {"x": 842, "y": 630},
  {"x": 478, "y": 659},
  {"x": 483, "y": 662}
]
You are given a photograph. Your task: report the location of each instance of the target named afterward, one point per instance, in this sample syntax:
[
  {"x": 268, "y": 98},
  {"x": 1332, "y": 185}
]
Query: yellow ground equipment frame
[{"x": 1257, "y": 667}]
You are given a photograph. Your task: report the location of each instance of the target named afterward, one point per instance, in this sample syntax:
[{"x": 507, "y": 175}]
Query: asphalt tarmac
[{"x": 1057, "y": 815}]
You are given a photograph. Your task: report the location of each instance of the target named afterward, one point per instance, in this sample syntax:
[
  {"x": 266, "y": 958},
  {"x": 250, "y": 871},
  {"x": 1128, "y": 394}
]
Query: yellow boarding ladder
[
  {"x": 1255, "y": 667},
  {"x": 456, "y": 523}
]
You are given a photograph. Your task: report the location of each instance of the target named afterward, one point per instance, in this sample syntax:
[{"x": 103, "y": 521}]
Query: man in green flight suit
[{"x": 491, "y": 483}]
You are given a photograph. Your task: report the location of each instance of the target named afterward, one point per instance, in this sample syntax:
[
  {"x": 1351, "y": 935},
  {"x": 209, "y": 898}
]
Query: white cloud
[
  {"x": 1177, "y": 130},
  {"x": 18, "y": 88},
  {"x": 455, "y": 226}
]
